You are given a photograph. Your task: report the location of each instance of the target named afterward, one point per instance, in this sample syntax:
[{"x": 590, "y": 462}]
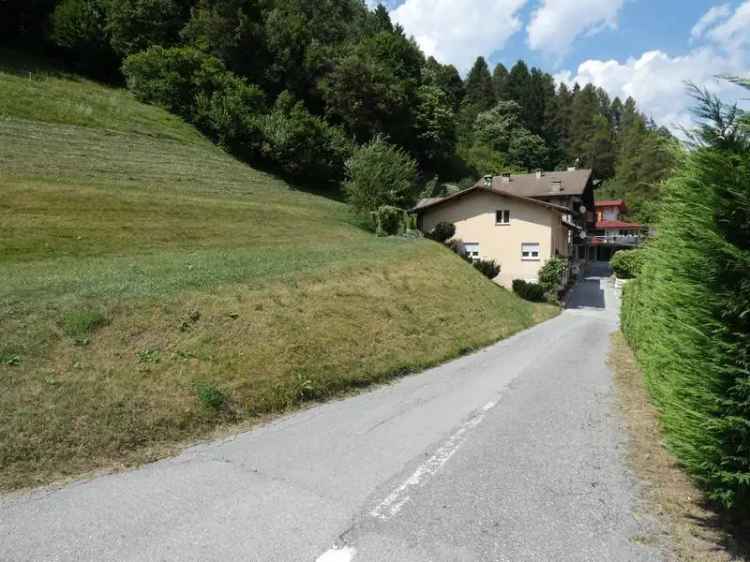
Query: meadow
[{"x": 154, "y": 290}]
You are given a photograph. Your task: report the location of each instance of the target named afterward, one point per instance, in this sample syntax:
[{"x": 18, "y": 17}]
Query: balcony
[{"x": 622, "y": 240}]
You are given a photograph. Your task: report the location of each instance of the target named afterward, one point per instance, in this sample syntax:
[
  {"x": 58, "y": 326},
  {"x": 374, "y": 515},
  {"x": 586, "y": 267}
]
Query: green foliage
[
  {"x": 532, "y": 292},
  {"x": 480, "y": 92},
  {"x": 302, "y": 145},
  {"x": 551, "y": 274},
  {"x": 435, "y": 125},
  {"x": 79, "y": 26},
  {"x": 10, "y": 359},
  {"x": 500, "y": 130},
  {"x": 489, "y": 268},
  {"x": 380, "y": 174},
  {"x": 210, "y": 397},
  {"x": 151, "y": 356},
  {"x": 687, "y": 315},
  {"x": 390, "y": 221},
  {"x": 442, "y": 232},
  {"x": 373, "y": 87},
  {"x": 175, "y": 78},
  {"x": 482, "y": 159},
  {"x": 627, "y": 264},
  {"x": 136, "y": 25},
  {"x": 81, "y": 323},
  {"x": 230, "y": 115},
  {"x": 445, "y": 77}
]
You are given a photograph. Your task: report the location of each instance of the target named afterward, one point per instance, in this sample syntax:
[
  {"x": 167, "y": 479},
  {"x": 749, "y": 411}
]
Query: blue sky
[{"x": 643, "y": 48}]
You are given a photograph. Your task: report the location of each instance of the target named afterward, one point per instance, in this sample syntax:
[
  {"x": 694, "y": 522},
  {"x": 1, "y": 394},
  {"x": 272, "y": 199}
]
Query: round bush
[
  {"x": 489, "y": 268},
  {"x": 528, "y": 291},
  {"x": 627, "y": 264},
  {"x": 442, "y": 232}
]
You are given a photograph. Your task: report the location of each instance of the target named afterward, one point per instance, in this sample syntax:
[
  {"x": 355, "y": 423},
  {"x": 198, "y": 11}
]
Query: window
[
  {"x": 502, "y": 217},
  {"x": 530, "y": 251},
  {"x": 471, "y": 250}
]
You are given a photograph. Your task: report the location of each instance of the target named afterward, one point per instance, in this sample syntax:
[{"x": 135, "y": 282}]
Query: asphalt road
[{"x": 513, "y": 453}]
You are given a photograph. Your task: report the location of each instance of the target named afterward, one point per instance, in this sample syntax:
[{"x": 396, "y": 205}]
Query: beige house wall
[{"x": 474, "y": 217}]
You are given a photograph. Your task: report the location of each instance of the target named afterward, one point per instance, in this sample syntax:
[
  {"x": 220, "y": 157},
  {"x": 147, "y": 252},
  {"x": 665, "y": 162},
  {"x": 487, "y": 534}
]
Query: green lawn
[{"x": 153, "y": 289}]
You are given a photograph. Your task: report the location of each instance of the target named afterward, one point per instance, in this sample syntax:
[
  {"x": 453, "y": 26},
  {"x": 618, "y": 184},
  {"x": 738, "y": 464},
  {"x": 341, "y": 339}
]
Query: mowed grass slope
[{"x": 153, "y": 289}]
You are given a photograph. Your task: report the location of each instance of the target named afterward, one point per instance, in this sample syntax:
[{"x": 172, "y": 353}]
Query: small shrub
[
  {"x": 533, "y": 292},
  {"x": 442, "y": 232},
  {"x": 551, "y": 274},
  {"x": 627, "y": 264},
  {"x": 79, "y": 324},
  {"x": 380, "y": 174},
  {"x": 390, "y": 221},
  {"x": 456, "y": 245},
  {"x": 210, "y": 396},
  {"x": 10, "y": 359},
  {"x": 149, "y": 356},
  {"x": 489, "y": 268}
]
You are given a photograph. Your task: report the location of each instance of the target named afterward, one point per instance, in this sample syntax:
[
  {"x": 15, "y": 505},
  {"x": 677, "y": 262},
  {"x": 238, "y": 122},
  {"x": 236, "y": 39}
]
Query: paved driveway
[{"x": 513, "y": 453}]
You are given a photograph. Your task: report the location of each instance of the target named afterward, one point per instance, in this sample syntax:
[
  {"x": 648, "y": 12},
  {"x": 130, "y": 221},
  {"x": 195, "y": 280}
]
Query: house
[
  {"x": 520, "y": 221},
  {"x": 610, "y": 233}
]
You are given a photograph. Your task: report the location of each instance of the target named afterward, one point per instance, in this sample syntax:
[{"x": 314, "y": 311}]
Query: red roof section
[
  {"x": 605, "y": 225},
  {"x": 610, "y": 203}
]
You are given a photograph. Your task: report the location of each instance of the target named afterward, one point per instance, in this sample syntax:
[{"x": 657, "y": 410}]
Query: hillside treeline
[{"x": 297, "y": 85}]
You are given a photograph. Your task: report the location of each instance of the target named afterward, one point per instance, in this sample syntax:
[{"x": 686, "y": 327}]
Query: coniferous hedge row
[{"x": 687, "y": 315}]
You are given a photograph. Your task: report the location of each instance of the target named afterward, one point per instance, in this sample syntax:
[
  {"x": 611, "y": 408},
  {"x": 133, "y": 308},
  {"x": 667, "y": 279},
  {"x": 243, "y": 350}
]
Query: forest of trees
[{"x": 296, "y": 86}]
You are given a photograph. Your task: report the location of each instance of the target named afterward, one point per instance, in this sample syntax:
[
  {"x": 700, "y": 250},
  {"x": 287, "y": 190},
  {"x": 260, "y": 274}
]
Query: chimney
[
  {"x": 557, "y": 186},
  {"x": 488, "y": 181},
  {"x": 571, "y": 168},
  {"x": 506, "y": 178},
  {"x": 539, "y": 174}
]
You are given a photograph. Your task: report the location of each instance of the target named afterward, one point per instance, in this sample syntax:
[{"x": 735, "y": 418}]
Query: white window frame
[
  {"x": 503, "y": 214},
  {"x": 472, "y": 251},
  {"x": 527, "y": 248}
]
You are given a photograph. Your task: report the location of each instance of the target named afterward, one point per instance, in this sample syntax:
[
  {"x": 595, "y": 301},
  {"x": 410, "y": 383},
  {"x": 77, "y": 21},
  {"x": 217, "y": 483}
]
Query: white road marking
[
  {"x": 391, "y": 505},
  {"x": 343, "y": 554}
]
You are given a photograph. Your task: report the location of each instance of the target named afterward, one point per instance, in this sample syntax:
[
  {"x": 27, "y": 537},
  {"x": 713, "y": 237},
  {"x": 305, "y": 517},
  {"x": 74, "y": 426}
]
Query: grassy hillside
[{"x": 153, "y": 288}]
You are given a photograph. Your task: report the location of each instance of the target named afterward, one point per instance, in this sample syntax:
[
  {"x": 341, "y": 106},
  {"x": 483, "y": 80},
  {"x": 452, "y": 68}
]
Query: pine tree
[
  {"x": 592, "y": 135},
  {"x": 500, "y": 82},
  {"x": 519, "y": 84},
  {"x": 480, "y": 92}
]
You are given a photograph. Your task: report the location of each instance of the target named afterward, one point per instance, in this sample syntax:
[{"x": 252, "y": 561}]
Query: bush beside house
[
  {"x": 627, "y": 264},
  {"x": 533, "y": 292}
]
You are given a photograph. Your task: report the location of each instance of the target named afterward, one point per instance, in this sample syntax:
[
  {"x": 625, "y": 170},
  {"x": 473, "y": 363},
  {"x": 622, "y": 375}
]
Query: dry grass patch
[{"x": 696, "y": 532}]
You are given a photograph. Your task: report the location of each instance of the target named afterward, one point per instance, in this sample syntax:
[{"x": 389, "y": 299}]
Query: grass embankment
[
  {"x": 694, "y": 531},
  {"x": 153, "y": 288}
]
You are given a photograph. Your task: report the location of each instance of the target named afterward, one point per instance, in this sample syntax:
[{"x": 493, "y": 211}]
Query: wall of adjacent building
[{"x": 474, "y": 217}]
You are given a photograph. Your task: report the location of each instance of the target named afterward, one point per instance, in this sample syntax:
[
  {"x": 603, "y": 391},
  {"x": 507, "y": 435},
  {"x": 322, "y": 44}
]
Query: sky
[{"x": 647, "y": 49}]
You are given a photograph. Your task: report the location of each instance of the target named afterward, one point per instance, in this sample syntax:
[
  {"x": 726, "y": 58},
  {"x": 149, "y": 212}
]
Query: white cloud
[
  {"x": 457, "y": 32},
  {"x": 556, "y": 24},
  {"x": 709, "y": 19},
  {"x": 734, "y": 32},
  {"x": 657, "y": 81}
]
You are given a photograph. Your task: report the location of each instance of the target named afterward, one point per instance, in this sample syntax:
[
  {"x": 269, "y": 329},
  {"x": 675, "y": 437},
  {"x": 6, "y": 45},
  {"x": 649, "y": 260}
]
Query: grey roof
[
  {"x": 434, "y": 201},
  {"x": 573, "y": 182}
]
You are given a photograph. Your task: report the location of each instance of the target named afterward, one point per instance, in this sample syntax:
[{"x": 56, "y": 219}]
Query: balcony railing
[{"x": 618, "y": 240}]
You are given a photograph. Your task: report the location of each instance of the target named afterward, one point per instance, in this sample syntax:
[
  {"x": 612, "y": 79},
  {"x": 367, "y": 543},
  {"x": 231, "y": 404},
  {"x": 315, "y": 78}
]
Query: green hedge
[
  {"x": 627, "y": 264},
  {"x": 533, "y": 292},
  {"x": 687, "y": 316}
]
